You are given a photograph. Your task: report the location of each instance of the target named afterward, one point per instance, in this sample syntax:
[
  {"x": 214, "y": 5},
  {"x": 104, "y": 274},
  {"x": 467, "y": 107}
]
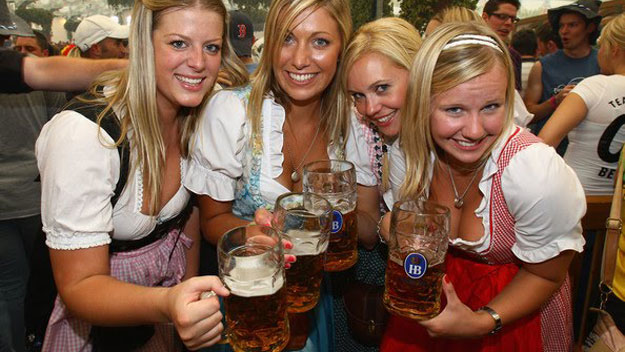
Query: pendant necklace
[
  {"x": 459, "y": 199},
  {"x": 295, "y": 177}
]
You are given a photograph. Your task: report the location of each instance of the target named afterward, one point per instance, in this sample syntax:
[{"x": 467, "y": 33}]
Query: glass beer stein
[
  {"x": 251, "y": 265},
  {"x": 416, "y": 259},
  {"x": 304, "y": 219},
  {"x": 335, "y": 180}
]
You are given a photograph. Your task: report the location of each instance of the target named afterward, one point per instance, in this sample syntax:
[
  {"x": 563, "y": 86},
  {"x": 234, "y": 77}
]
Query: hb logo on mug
[
  {"x": 337, "y": 221},
  {"x": 415, "y": 265}
]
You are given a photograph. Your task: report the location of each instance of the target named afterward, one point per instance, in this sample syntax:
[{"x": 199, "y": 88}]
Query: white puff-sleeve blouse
[
  {"x": 79, "y": 174},
  {"x": 543, "y": 195},
  {"x": 221, "y": 151}
]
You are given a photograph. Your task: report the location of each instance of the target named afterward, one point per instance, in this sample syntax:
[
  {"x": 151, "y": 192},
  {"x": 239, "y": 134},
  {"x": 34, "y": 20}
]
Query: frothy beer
[{"x": 256, "y": 309}]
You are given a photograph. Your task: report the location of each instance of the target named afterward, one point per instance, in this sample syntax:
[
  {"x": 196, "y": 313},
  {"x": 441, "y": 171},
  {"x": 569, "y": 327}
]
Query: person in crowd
[
  {"x": 611, "y": 58},
  {"x": 99, "y": 37},
  {"x": 11, "y": 25},
  {"x": 592, "y": 116},
  {"x": 526, "y": 44},
  {"x": 21, "y": 118},
  {"x": 547, "y": 41},
  {"x": 373, "y": 76},
  {"x": 506, "y": 192},
  {"x": 113, "y": 207},
  {"x": 553, "y": 77},
  {"x": 242, "y": 37},
  {"x": 501, "y": 16},
  {"x": 254, "y": 140},
  {"x": 37, "y": 45},
  {"x": 22, "y": 74},
  {"x": 241, "y": 34},
  {"x": 451, "y": 14}
]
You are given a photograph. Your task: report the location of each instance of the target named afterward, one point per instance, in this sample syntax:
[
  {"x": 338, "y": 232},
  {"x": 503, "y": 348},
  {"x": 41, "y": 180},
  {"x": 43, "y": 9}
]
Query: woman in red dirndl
[{"x": 513, "y": 232}]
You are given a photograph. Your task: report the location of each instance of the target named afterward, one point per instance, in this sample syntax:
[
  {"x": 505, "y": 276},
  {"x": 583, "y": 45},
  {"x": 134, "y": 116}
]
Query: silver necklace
[
  {"x": 295, "y": 177},
  {"x": 459, "y": 200}
]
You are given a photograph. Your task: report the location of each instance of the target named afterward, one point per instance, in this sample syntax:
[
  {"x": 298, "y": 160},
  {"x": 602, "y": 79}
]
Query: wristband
[
  {"x": 495, "y": 316},
  {"x": 553, "y": 103}
]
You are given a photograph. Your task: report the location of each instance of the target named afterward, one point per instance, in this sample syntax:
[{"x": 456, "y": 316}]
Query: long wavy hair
[
  {"x": 280, "y": 21},
  {"x": 436, "y": 70},
  {"x": 134, "y": 91}
]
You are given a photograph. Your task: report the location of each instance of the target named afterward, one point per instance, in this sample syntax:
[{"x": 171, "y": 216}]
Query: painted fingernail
[
  {"x": 446, "y": 279},
  {"x": 287, "y": 265},
  {"x": 288, "y": 245}
]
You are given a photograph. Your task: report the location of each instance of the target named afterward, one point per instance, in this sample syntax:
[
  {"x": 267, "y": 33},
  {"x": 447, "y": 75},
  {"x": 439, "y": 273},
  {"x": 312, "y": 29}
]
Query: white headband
[{"x": 478, "y": 39}]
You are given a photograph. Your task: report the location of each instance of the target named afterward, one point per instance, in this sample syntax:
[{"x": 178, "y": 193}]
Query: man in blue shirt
[{"x": 553, "y": 76}]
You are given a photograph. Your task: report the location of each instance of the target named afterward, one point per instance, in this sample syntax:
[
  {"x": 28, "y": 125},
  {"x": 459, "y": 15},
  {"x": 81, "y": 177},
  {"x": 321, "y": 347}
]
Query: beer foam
[
  {"x": 254, "y": 281},
  {"x": 251, "y": 276},
  {"x": 305, "y": 242}
]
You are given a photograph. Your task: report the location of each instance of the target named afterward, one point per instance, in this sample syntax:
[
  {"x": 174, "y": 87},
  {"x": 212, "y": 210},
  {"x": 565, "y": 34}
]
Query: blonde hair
[
  {"x": 392, "y": 37},
  {"x": 613, "y": 34},
  {"x": 457, "y": 14},
  {"x": 452, "y": 14},
  {"x": 435, "y": 70},
  {"x": 135, "y": 90},
  {"x": 280, "y": 20}
]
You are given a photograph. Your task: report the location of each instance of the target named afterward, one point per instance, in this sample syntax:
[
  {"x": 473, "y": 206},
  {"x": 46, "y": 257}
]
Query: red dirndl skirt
[{"x": 476, "y": 284}]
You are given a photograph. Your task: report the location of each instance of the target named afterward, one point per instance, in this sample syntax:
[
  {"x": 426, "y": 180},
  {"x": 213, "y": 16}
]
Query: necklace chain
[
  {"x": 459, "y": 200},
  {"x": 295, "y": 177}
]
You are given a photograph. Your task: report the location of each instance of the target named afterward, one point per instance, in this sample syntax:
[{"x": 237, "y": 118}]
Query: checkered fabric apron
[
  {"x": 161, "y": 263},
  {"x": 556, "y": 315}
]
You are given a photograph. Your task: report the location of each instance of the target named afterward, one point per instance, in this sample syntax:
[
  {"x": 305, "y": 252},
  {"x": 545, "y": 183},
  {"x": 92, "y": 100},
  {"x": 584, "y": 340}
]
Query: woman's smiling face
[
  {"x": 308, "y": 59},
  {"x": 378, "y": 88},
  {"x": 187, "y": 55},
  {"x": 467, "y": 119}
]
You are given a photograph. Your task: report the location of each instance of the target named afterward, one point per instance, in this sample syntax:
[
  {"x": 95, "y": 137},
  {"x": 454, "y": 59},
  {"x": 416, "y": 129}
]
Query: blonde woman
[
  {"x": 254, "y": 140},
  {"x": 113, "y": 206},
  {"x": 515, "y": 205},
  {"x": 373, "y": 76},
  {"x": 592, "y": 116}
]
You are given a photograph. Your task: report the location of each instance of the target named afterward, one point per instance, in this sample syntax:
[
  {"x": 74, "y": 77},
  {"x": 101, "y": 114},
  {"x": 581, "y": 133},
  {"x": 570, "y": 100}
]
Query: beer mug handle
[{"x": 224, "y": 334}]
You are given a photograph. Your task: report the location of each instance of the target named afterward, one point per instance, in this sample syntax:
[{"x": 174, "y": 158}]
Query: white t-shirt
[
  {"x": 221, "y": 154},
  {"x": 526, "y": 67},
  {"x": 542, "y": 193},
  {"x": 78, "y": 178},
  {"x": 595, "y": 144}
]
